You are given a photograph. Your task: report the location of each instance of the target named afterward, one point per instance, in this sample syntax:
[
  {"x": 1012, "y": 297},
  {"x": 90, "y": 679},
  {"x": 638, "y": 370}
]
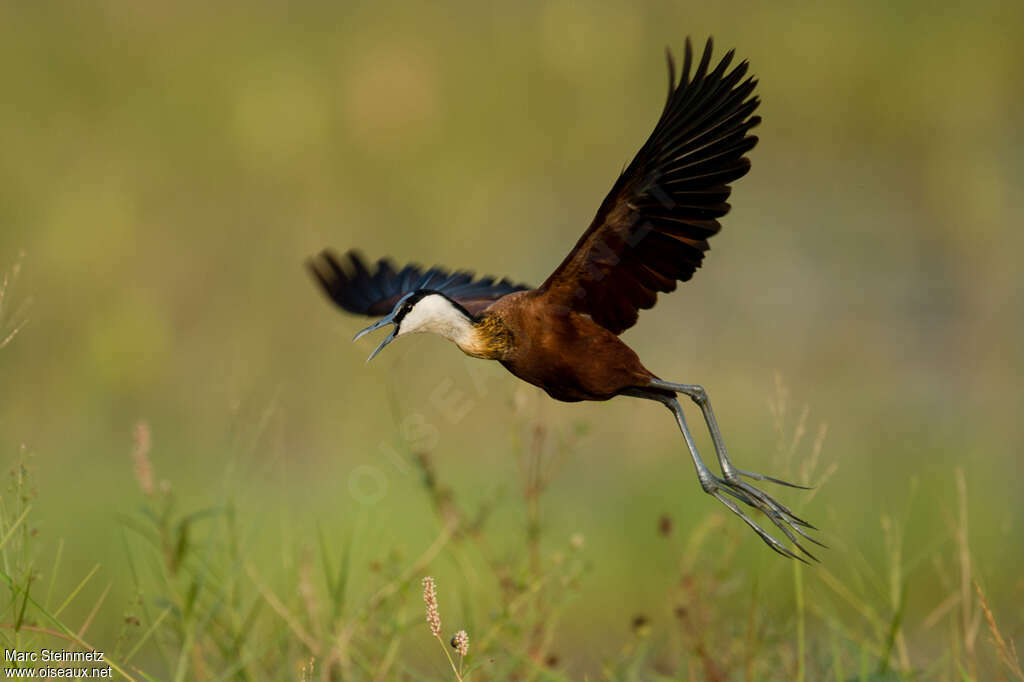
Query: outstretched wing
[
  {"x": 653, "y": 226},
  {"x": 375, "y": 290}
]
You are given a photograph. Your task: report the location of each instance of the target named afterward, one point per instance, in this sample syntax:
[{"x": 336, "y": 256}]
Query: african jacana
[{"x": 651, "y": 230}]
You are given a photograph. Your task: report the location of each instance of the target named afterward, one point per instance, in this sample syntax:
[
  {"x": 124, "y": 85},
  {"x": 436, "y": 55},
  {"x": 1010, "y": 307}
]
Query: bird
[{"x": 650, "y": 232}]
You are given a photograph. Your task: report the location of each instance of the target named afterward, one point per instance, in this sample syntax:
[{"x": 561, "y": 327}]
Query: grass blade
[{"x": 74, "y": 592}]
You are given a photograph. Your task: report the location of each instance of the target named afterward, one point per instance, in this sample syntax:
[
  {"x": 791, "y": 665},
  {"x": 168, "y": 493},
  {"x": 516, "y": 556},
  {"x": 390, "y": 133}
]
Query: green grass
[{"x": 211, "y": 604}]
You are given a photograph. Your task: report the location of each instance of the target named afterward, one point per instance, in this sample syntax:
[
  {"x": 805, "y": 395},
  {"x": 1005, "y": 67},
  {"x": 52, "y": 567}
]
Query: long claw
[
  {"x": 800, "y": 530},
  {"x": 761, "y": 477},
  {"x": 777, "y": 513},
  {"x": 763, "y": 534},
  {"x": 781, "y": 524}
]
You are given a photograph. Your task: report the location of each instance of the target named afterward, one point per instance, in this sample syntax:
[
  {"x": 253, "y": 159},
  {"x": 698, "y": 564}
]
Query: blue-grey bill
[
  {"x": 387, "y": 319},
  {"x": 374, "y": 327},
  {"x": 389, "y": 339}
]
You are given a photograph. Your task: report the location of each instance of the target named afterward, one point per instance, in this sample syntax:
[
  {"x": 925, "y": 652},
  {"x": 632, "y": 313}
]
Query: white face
[{"x": 436, "y": 314}]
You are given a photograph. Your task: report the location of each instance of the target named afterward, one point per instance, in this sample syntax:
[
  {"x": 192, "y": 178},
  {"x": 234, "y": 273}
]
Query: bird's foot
[{"x": 732, "y": 487}]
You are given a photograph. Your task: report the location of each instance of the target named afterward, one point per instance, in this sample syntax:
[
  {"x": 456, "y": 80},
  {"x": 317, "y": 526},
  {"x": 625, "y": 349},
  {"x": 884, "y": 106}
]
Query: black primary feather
[{"x": 652, "y": 229}]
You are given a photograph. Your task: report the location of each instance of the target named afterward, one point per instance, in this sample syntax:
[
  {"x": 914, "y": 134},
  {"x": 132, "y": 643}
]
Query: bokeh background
[{"x": 167, "y": 167}]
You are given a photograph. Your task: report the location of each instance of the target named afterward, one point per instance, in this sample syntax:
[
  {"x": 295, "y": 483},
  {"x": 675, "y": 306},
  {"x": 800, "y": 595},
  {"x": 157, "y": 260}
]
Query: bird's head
[{"x": 423, "y": 310}]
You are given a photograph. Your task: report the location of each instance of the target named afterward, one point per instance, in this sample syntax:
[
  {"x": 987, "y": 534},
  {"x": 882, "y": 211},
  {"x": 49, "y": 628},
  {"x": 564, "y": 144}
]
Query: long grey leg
[
  {"x": 746, "y": 494},
  {"x": 700, "y": 396},
  {"x": 781, "y": 515},
  {"x": 708, "y": 481}
]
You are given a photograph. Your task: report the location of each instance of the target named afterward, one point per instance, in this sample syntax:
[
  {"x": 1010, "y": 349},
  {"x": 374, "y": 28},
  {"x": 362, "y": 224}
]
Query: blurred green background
[{"x": 166, "y": 168}]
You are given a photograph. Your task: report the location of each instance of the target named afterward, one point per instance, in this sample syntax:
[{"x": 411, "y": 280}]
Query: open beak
[{"x": 374, "y": 327}]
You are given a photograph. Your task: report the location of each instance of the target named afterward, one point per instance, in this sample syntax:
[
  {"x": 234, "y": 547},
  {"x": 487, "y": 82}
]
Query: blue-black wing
[{"x": 374, "y": 290}]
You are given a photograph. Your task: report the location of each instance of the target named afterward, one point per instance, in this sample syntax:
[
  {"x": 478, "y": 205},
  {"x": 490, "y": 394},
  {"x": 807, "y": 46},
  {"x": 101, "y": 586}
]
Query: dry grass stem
[
  {"x": 9, "y": 278},
  {"x": 140, "y": 455},
  {"x": 1007, "y": 652}
]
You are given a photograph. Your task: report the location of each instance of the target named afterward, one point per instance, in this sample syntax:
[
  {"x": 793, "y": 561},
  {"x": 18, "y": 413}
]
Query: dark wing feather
[
  {"x": 653, "y": 226},
  {"x": 374, "y": 291}
]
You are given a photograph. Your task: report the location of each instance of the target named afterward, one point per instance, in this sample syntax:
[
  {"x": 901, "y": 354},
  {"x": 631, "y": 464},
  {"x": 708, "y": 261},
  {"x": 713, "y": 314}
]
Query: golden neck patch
[{"x": 490, "y": 339}]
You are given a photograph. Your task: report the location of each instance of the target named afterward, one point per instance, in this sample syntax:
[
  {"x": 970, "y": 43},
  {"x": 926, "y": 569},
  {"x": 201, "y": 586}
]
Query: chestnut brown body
[{"x": 564, "y": 352}]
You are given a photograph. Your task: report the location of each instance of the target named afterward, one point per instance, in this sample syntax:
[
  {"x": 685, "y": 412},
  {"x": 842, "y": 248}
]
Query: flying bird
[{"x": 650, "y": 232}]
